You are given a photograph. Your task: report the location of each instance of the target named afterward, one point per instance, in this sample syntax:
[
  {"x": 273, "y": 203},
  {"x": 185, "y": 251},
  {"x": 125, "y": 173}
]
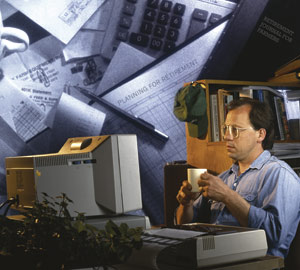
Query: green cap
[{"x": 190, "y": 106}]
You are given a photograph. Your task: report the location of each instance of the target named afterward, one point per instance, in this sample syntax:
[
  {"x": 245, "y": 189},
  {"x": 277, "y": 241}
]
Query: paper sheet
[
  {"x": 61, "y": 18},
  {"x": 74, "y": 118},
  {"x": 10, "y": 144},
  {"x": 119, "y": 69},
  {"x": 42, "y": 96},
  {"x": 100, "y": 19},
  {"x": 6, "y": 9},
  {"x": 88, "y": 41},
  {"x": 43, "y": 63},
  {"x": 85, "y": 43},
  {"x": 19, "y": 111}
]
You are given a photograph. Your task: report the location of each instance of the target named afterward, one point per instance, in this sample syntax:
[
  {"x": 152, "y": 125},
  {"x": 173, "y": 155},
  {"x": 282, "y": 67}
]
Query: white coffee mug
[
  {"x": 12, "y": 39},
  {"x": 194, "y": 176}
]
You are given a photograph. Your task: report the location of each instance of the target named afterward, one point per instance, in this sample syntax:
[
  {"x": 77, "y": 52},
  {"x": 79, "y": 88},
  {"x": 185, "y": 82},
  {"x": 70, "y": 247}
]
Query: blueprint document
[{"x": 151, "y": 97}]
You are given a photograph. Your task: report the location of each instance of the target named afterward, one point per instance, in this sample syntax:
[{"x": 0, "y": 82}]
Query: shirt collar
[{"x": 256, "y": 164}]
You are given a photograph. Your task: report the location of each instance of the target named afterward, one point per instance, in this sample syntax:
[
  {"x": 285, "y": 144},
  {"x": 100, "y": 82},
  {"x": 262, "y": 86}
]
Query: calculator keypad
[{"x": 158, "y": 26}]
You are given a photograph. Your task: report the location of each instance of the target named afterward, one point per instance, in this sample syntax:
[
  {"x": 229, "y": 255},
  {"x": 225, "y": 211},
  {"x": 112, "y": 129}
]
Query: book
[
  {"x": 269, "y": 99},
  {"x": 284, "y": 120},
  {"x": 278, "y": 114},
  {"x": 293, "y": 77},
  {"x": 269, "y": 38},
  {"x": 294, "y": 127},
  {"x": 291, "y": 66},
  {"x": 224, "y": 98},
  {"x": 215, "y": 130},
  {"x": 247, "y": 93},
  {"x": 258, "y": 94}
]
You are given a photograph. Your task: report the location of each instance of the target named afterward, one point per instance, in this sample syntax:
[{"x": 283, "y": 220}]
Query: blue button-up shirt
[{"x": 273, "y": 190}]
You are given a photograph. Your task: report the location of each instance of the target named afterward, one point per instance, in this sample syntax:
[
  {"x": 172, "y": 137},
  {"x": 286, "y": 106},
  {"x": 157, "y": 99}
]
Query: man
[{"x": 258, "y": 191}]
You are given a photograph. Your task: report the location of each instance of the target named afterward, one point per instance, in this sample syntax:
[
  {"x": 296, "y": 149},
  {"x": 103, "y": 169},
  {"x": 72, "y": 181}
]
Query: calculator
[{"x": 157, "y": 27}]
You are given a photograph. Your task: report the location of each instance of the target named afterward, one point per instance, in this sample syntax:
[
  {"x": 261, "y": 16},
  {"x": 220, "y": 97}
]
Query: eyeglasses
[{"x": 234, "y": 131}]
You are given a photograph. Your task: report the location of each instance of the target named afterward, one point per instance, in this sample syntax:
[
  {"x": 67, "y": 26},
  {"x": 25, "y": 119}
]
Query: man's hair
[{"x": 260, "y": 115}]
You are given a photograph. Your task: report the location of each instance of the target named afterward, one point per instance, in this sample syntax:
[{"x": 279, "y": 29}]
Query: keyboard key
[
  {"x": 139, "y": 39},
  {"x": 129, "y": 9},
  {"x": 214, "y": 18},
  {"x": 152, "y": 3},
  {"x": 146, "y": 28},
  {"x": 156, "y": 44},
  {"x": 179, "y": 9},
  {"x": 169, "y": 46},
  {"x": 159, "y": 31},
  {"x": 125, "y": 22},
  {"x": 195, "y": 28},
  {"x": 166, "y": 6},
  {"x": 163, "y": 18},
  {"x": 176, "y": 22},
  {"x": 172, "y": 34},
  {"x": 122, "y": 35},
  {"x": 149, "y": 14},
  {"x": 200, "y": 14}
]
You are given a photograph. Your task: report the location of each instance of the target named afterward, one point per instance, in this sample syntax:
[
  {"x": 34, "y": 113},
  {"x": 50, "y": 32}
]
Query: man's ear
[{"x": 261, "y": 134}]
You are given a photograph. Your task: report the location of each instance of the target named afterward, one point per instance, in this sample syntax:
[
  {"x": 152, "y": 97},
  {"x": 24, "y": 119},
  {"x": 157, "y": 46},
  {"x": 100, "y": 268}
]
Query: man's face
[{"x": 246, "y": 146}]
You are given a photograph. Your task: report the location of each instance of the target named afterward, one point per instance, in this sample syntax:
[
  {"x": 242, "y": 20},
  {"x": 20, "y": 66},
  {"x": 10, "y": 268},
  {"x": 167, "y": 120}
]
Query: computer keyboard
[
  {"x": 158, "y": 26},
  {"x": 198, "y": 245}
]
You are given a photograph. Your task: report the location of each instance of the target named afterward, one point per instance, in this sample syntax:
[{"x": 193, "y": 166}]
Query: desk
[{"x": 264, "y": 263}]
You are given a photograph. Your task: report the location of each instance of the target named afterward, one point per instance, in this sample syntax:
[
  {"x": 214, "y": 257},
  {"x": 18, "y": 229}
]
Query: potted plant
[{"x": 51, "y": 239}]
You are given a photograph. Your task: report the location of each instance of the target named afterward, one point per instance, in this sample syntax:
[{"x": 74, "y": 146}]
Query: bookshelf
[{"x": 211, "y": 153}]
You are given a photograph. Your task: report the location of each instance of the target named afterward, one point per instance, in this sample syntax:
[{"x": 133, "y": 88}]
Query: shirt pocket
[{"x": 249, "y": 197}]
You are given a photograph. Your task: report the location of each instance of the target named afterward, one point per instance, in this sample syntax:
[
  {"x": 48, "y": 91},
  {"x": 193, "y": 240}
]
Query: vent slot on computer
[
  {"x": 59, "y": 159},
  {"x": 208, "y": 242}
]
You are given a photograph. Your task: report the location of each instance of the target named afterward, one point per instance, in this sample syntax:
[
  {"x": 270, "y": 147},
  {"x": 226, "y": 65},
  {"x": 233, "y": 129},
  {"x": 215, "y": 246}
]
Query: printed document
[
  {"x": 84, "y": 44},
  {"x": 118, "y": 68},
  {"x": 19, "y": 111},
  {"x": 61, "y": 18},
  {"x": 10, "y": 145},
  {"x": 74, "y": 118},
  {"x": 43, "y": 64}
]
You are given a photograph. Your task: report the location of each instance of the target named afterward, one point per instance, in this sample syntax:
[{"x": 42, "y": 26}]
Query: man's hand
[
  {"x": 185, "y": 196},
  {"x": 186, "y": 199},
  {"x": 213, "y": 187}
]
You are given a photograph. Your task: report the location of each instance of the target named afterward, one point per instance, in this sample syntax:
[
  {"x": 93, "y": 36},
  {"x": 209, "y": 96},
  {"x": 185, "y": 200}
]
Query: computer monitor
[{"x": 99, "y": 174}]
